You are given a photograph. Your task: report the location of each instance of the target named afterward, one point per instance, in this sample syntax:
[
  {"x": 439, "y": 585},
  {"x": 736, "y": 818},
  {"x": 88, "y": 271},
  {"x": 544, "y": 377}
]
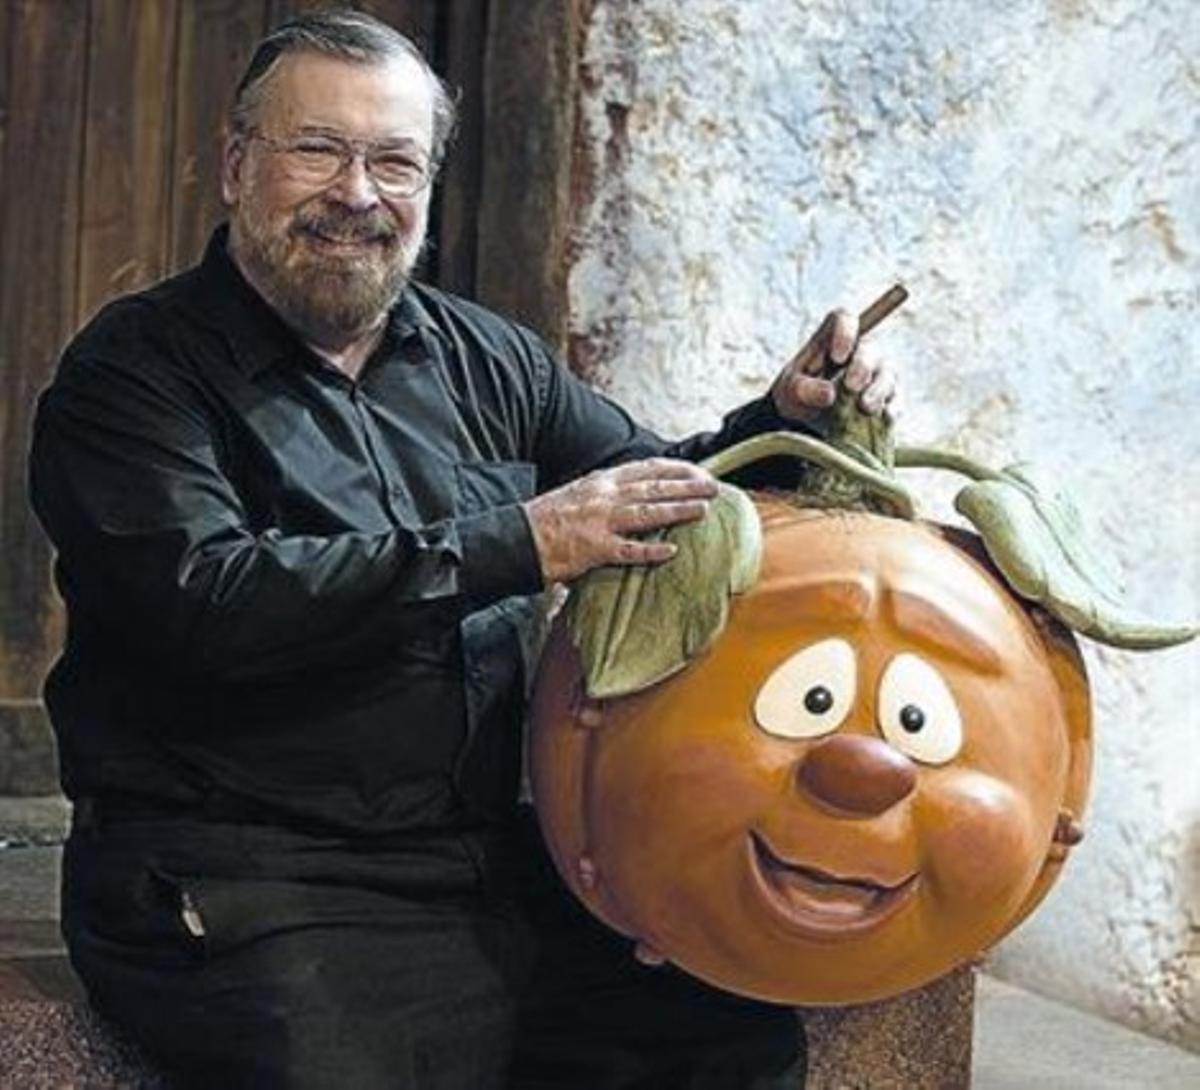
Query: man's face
[{"x": 330, "y": 256}]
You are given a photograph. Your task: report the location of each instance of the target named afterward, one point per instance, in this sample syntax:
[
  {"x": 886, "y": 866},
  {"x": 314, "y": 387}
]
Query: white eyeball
[
  {"x": 917, "y": 712},
  {"x": 810, "y": 693}
]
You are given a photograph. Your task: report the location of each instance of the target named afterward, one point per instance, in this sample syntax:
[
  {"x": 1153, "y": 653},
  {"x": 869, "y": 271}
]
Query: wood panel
[
  {"x": 530, "y": 70},
  {"x": 416, "y": 18},
  {"x": 39, "y": 221},
  {"x": 460, "y": 34},
  {"x": 125, "y": 228},
  {"x": 5, "y": 44},
  {"x": 216, "y": 38}
]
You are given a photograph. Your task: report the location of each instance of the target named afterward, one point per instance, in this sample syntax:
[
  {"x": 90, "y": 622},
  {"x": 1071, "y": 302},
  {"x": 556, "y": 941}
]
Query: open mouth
[{"x": 821, "y": 905}]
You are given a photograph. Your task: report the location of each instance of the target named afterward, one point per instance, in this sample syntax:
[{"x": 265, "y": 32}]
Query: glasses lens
[
  {"x": 313, "y": 160},
  {"x": 396, "y": 173}
]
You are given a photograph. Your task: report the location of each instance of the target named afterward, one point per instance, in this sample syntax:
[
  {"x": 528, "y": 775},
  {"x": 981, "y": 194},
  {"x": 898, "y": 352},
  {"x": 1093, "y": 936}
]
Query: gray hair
[{"x": 353, "y": 36}]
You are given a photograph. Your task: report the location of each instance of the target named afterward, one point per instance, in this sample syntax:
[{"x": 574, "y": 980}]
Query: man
[{"x": 300, "y": 502}]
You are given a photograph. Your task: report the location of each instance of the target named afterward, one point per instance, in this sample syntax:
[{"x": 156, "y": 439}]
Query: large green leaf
[
  {"x": 1034, "y": 536},
  {"x": 636, "y": 625}
]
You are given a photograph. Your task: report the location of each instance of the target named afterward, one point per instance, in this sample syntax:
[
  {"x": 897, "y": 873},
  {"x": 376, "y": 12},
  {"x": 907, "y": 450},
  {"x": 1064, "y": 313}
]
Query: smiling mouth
[
  {"x": 821, "y": 905},
  {"x": 336, "y": 242}
]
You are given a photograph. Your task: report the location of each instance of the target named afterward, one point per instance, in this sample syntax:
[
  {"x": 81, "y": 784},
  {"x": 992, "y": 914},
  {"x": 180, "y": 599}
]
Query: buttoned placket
[{"x": 397, "y": 503}]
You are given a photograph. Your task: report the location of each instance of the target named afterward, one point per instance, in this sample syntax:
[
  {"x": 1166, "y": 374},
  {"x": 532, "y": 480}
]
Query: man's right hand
[{"x": 586, "y": 524}]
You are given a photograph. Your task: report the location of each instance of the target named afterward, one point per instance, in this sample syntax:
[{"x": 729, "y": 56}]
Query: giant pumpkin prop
[{"x": 829, "y": 752}]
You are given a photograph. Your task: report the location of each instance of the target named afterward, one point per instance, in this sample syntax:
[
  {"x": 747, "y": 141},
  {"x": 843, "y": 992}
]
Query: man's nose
[
  {"x": 856, "y": 774},
  {"x": 354, "y": 186}
]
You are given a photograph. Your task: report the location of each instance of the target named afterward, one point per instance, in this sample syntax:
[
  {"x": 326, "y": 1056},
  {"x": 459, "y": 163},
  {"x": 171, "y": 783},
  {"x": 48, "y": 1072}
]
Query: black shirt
[{"x": 295, "y": 595}]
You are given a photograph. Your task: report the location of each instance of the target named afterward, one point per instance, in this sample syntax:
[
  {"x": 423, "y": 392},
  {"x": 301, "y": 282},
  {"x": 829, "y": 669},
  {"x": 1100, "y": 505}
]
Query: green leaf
[
  {"x": 637, "y": 625},
  {"x": 1036, "y": 538}
]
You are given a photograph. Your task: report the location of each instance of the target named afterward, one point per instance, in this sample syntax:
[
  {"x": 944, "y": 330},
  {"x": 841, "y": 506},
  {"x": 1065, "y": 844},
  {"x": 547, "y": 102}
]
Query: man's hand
[
  {"x": 587, "y": 523},
  {"x": 800, "y": 393}
]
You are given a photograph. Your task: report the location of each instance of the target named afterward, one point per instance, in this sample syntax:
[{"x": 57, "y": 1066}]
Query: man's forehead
[{"x": 392, "y": 97}]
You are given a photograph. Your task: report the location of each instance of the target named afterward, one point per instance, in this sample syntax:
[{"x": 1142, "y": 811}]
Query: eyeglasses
[{"x": 318, "y": 160}]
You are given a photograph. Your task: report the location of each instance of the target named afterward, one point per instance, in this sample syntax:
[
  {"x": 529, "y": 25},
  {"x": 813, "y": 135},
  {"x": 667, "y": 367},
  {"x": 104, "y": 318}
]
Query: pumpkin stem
[
  {"x": 849, "y": 469},
  {"x": 932, "y": 458},
  {"x": 865, "y": 438}
]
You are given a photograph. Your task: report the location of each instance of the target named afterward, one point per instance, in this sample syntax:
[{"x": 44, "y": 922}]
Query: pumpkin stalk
[
  {"x": 868, "y": 441},
  {"x": 853, "y": 465},
  {"x": 932, "y": 458}
]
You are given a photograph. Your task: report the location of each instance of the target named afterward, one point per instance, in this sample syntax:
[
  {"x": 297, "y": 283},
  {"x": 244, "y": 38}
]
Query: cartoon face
[{"x": 856, "y": 789}]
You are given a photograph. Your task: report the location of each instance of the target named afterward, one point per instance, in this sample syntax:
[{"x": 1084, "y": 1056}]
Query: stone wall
[{"x": 1031, "y": 170}]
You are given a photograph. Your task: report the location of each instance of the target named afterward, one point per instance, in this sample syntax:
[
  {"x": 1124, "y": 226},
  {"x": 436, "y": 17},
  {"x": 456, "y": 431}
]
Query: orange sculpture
[
  {"x": 834, "y": 771},
  {"x": 873, "y": 774}
]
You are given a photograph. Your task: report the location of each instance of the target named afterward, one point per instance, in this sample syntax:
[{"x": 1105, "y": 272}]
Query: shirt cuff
[
  {"x": 759, "y": 416},
  {"x": 499, "y": 557}
]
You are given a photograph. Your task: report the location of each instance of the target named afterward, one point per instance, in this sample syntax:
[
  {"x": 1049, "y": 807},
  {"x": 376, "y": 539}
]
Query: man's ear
[{"x": 233, "y": 154}]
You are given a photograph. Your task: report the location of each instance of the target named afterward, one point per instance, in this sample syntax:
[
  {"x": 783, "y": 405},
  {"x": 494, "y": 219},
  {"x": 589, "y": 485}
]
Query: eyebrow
[
  {"x": 950, "y": 627},
  {"x": 805, "y": 597}
]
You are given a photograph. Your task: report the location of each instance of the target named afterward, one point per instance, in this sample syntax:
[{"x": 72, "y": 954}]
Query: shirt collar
[{"x": 256, "y": 334}]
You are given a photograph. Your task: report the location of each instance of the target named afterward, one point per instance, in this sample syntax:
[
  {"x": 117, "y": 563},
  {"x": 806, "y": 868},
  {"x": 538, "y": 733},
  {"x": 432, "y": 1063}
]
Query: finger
[
  {"x": 843, "y": 336},
  {"x": 666, "y": 489},
  {"x": 893, "y": 409},
  {"x": 653, "y": 516},
  {"x": 664, "y": 468},
  {"x": 861, "y": 370},
  {"x": 627, "y": 551},
  {"x": 811, "y": 357},
  {"x": 875, "y": 397},
  {"x": 809, "y": 392}
]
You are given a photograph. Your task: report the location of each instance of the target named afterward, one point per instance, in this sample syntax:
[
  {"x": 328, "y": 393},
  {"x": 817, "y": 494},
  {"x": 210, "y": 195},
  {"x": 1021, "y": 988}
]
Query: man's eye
[
  {"x": 394, "y": 165},
  {"x": 315, "y": 149}
]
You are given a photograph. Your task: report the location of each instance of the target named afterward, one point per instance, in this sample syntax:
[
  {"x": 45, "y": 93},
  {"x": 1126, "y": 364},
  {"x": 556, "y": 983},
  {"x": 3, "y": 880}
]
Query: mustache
[{"x": 345, "y": 225}]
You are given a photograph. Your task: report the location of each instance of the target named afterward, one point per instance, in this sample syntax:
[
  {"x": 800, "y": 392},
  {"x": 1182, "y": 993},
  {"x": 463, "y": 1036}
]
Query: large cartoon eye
[
  {"x": 810, "y": 693},
  {"x": 917, "y": 712}
]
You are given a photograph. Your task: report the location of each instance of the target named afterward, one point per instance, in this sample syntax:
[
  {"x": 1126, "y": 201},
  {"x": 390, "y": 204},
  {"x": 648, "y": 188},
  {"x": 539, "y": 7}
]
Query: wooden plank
[
  {"x": 126, "y": 203},
  {"x": 416, "y": 18},
  {"x": 216, "y": 38},
  {"x": 530, "y": 78},
  {"x": 460, "y": 35},
  {"x": 279, "y": 10},
  {"x": 39, "y": 221},
  {"x": 5, "y": 45}
]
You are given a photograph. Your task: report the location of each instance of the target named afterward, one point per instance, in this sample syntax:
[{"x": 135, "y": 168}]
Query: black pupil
[
  {"x": 818, "y": 700},
  {"x": 912, "y": 719}
]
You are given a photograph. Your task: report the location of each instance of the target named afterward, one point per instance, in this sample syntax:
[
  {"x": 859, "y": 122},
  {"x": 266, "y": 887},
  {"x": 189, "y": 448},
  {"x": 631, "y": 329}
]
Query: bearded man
[{"x": 300, "y": 503}]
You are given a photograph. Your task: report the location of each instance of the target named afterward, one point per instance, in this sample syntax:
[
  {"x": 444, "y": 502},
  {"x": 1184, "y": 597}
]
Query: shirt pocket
[{"x": 479, "y": 486}]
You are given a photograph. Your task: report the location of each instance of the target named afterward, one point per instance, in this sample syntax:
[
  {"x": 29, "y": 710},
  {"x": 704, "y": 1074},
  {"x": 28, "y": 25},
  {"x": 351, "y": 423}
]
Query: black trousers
[{"x": 243, "y": 956}]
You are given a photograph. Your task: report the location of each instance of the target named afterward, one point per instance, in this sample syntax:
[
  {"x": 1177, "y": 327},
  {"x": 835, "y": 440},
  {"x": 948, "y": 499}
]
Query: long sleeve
[
  {"x": 128, "y": 478},
  {"x": 582, "y": 429}
]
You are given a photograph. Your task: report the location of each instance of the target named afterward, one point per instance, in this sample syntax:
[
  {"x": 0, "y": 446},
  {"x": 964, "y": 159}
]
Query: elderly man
[{"x": 300, "y": 502}]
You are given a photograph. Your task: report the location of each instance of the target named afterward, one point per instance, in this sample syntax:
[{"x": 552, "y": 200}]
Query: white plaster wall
[{"x": 1031, "y": 170}]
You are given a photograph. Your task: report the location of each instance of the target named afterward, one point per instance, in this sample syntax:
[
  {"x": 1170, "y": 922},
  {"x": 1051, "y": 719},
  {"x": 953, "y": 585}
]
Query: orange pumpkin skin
[{"x": 777, "y": 867}]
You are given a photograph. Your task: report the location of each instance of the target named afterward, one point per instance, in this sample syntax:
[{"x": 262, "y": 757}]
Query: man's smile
[
  {"x": 330, "y": 241},
  {"x": 821, "y": 905}
]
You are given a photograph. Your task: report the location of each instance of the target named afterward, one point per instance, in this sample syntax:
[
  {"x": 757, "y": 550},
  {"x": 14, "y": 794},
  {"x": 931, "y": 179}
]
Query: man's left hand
[{"x": 801, "y": 394}]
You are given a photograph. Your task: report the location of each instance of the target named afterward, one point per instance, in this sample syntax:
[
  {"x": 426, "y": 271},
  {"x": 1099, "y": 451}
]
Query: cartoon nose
[{"x": 857, "y": 773}]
